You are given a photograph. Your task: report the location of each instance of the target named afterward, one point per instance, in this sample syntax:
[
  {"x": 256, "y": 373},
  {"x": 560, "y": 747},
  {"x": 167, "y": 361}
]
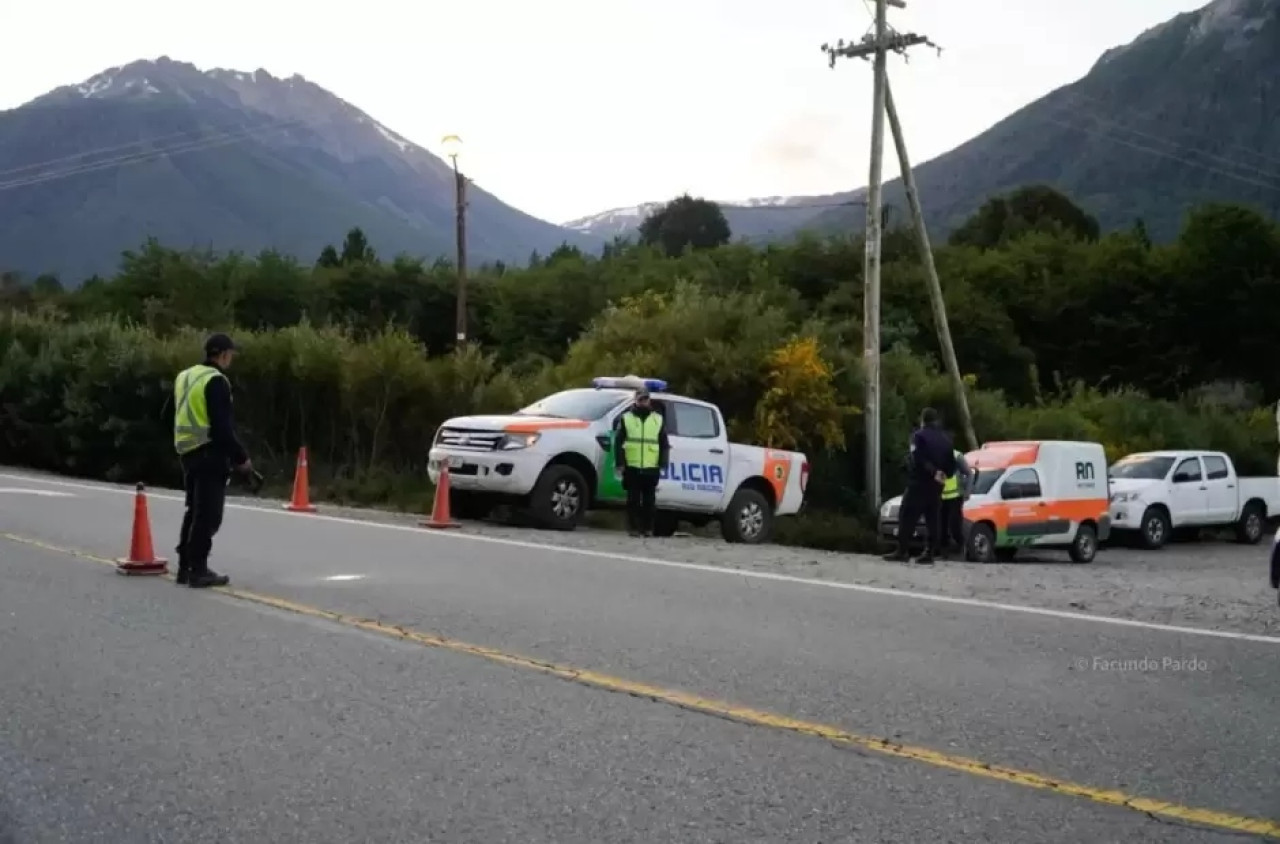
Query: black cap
[{"x": 217, "y": 344}]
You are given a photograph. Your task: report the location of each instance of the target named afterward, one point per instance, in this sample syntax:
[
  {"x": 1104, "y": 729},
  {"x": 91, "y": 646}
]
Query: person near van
[
  {"x": 930, "y": 460},
  {"x": 955, "y": 491},
  {"x": 640, "y": 450},
  {"x": 205, "y": 438}
]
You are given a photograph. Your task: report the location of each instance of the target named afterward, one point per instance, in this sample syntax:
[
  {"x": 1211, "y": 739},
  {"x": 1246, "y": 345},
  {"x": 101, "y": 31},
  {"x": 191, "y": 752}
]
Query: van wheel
[
  {"x": 981, "y": 546},
  {"x": 748, "y": 519},
  {"x": 664, "y": 524},
  {"x": 1085, "y": 546},
  {"x": 1253, "y": 522},
  {"x": 559, "y": 499},
  {"x": 1155, "y": 528}
]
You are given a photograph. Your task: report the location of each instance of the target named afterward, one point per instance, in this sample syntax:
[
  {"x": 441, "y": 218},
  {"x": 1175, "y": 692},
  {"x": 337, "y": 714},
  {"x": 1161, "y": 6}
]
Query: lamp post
[{"x": 453, "y": 148}]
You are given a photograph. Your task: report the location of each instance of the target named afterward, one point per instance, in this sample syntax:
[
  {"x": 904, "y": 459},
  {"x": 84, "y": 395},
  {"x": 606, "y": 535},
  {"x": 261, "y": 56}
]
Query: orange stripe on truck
[
  {"x": 777, "y": 469},
  {"x": 547, "y": 425}
]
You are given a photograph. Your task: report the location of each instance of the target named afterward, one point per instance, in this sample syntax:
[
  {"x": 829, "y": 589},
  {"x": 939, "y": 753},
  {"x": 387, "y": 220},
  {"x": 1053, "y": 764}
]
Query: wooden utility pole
[
  {"x": 453, "y": 148},
  {"x": 877, "y": 46},
  {"x": 931, "y": 271}
]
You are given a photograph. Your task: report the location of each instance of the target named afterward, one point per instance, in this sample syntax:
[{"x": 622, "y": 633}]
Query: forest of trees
[{"x": 1061, "y": 332}]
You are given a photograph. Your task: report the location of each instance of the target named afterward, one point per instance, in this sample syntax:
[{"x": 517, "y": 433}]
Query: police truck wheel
[
  {"x": 749, "y": 518},
  {"x": 559, "y": 499}
]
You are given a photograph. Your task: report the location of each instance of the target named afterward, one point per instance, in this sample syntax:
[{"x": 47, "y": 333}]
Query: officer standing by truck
[
  {"x": 955, "y": 491},
  {"x": 640, "y": 450},
  {"x": 930, "y": 461},
  {"x": 204, "y": 437}
]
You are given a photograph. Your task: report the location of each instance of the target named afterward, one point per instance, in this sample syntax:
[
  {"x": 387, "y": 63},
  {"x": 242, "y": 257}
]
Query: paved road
[{"x": 292, "y": 729}]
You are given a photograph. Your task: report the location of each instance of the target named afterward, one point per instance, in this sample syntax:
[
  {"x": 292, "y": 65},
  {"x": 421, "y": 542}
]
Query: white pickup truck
[
  {"x": 555, "y": 459},
  {"x": 1154, "y": 493}
]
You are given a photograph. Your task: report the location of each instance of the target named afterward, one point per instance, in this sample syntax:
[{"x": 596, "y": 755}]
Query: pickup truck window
[
  {"x": 1215, "y": 467},
  {"x": 588, "y": 405},
  {"x": 1188, "y": 471},
  {"x": 1142, "y": 468},
  {"x": 1024, "y": 483},
  {"x": 694, "y": 420}
]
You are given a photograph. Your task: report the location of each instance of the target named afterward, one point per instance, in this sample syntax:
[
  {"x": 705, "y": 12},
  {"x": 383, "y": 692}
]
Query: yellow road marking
[{"x": 741, "y": 714}]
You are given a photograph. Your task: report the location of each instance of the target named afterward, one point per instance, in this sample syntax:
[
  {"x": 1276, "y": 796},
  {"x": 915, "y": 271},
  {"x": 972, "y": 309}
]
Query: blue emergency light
[{"x": 629, "y": 382}]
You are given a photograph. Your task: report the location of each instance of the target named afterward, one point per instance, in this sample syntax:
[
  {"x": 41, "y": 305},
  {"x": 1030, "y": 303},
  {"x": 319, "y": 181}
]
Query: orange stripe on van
[
  {"x": 545, "y": 425},
  {"x": 1002, "y": 455},
  {"x": 1002, "y": 514},
  {"x": 777, "y": 470}
]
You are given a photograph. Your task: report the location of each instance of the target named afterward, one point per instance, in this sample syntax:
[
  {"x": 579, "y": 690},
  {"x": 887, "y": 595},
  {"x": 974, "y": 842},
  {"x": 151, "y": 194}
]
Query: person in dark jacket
[
  {"x": 930, "y": 462},
  {"x": 204, "y": 436},
  {"x": 640, "y": 451}
]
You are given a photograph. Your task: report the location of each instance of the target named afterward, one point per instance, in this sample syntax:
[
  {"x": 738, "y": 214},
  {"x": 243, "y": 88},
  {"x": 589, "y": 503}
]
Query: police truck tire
[
  {"x": 559, "y": 499},
  {"x": 748, "y": 519}
]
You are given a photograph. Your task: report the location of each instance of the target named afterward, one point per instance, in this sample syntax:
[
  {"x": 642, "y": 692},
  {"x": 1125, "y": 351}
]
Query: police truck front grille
[{"x": 462, "y": 439}]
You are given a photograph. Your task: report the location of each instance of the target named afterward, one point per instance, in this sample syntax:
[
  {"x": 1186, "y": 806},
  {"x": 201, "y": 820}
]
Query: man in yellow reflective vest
[
  {"x": 205, "y": 438},
  {"x": 641, "y": 450},
  {"x": 955, "y": 491}
]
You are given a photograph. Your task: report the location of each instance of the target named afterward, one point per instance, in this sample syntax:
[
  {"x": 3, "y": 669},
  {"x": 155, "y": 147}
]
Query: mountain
[
  {"x": 762, "y": 218},
  {"x": 1182, "y": 115},
  {"x": 228, "y": 160}
]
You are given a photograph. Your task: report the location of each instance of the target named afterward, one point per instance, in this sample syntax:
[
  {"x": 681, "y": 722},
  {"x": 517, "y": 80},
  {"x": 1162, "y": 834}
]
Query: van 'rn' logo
[{"x": 1084, "y": 472}]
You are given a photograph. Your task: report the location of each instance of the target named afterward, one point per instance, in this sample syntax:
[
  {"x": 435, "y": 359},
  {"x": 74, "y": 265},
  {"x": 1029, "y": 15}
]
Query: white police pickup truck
[{"x": 554, "y": 459}]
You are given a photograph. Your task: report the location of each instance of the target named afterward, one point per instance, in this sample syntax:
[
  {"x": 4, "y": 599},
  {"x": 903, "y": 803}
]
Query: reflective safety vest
[
  {"x": 191, "y": 414},
  {"x": 951, "y": 488},
  {"x": 640, "y": 448}
]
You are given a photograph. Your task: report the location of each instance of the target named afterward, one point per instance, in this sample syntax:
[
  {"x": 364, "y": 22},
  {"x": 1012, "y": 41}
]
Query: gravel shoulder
[{"x": 1211, "y": 583}]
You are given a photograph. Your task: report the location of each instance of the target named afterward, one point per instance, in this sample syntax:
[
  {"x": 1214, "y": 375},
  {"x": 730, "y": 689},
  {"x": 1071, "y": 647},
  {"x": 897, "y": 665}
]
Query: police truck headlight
[
  {"x": 1124, "y": 497},
  {"x": 511, "y": 442}
]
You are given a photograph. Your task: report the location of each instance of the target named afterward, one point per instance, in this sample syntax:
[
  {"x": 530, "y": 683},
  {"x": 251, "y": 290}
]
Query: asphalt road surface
[{"x": 132, "y": 711}]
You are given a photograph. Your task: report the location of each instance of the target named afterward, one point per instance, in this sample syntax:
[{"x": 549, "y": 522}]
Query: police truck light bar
[{"x": 629, "y": 382}]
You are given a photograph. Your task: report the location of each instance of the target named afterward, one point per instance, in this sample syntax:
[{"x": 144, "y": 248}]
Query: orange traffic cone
[
  {"x": 440, "y": 510},
  {"x": 142, "y": 557},
  {"x": 301, "y": 502}
]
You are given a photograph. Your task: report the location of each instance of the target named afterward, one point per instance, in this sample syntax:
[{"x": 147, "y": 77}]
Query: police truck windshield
[
  {"x": 585, "y": 404},
  {"x": 1142, "y": 468}
]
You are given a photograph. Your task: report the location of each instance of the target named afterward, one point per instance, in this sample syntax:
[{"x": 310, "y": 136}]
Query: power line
[{"x": 217, "y": 140}]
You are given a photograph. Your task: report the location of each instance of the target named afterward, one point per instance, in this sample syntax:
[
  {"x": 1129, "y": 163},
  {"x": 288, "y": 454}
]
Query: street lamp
[{"x": 453, "y": 148}]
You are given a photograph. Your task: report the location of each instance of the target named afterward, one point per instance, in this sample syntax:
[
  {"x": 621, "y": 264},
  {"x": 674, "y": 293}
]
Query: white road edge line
[{"x": 698, "y": 567}]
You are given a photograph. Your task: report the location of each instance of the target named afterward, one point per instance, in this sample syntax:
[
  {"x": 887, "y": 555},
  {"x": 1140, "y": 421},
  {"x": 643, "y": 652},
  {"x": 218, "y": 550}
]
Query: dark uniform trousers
[
  {"x": 951, "y": 524},
  {"x": 205, "y": 473},
  {"x": 923, "y": 498},
  {"x": 642, "y": 492}
]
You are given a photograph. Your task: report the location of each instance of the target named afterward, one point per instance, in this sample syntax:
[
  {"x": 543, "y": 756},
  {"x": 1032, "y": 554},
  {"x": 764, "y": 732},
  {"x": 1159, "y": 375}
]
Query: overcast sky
[{"x": 569, "y": 107}]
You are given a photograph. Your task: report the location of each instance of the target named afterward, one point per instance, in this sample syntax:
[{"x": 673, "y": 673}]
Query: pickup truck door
[
  {"x": 1224, "y": 490},
  {"x": 1188, "y": 494},
  {"x": 695, "y": 476}
]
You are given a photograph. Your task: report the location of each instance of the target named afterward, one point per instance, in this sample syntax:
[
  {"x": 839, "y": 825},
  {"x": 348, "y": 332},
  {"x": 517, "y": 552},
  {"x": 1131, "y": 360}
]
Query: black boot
[{"x": 207, "y": 578}]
